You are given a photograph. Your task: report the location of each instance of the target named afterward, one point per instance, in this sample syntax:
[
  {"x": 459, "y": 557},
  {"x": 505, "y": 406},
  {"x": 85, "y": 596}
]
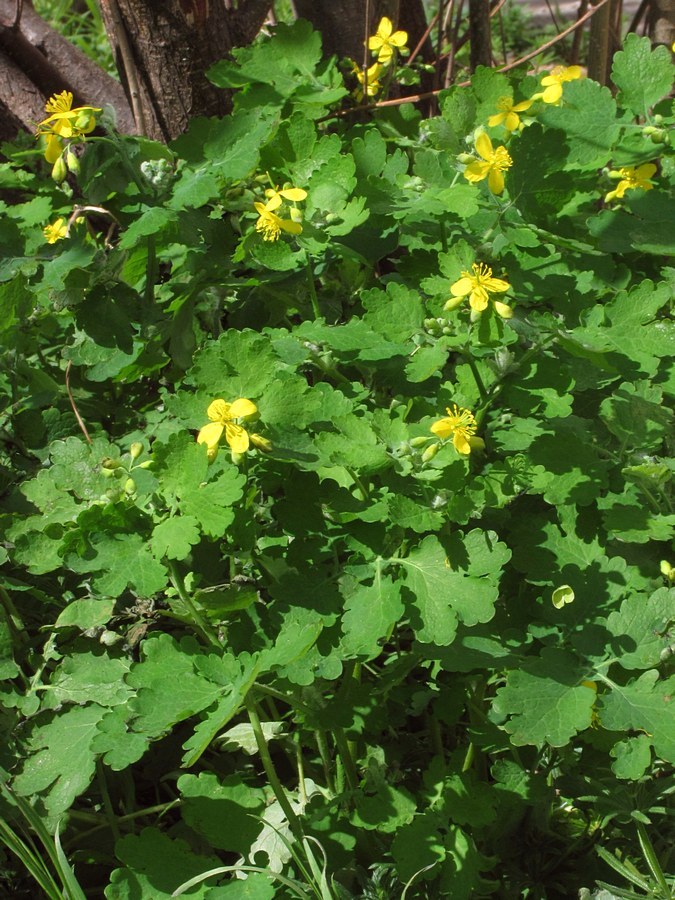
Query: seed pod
[
  {"x": 135, "y": 450},
  {"x": 130, "y": 486}
]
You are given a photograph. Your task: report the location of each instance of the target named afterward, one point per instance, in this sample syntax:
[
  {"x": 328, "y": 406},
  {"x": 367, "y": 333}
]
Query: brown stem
[{"x": 80, "y": 422}]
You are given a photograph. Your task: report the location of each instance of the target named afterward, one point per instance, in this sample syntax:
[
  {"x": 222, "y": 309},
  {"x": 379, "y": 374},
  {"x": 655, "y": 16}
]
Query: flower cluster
[
  {"x": 385, "y": 43},
  {"x": 631, "y": 177},
  {"x": 269, "y": 224},
  {"x": 226, "y": 420},
  {"x": 63, "y": 127}
]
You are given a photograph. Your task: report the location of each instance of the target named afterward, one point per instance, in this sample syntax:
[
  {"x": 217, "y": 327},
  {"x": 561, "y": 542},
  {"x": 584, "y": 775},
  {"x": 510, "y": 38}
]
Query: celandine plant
[{"x": 337, "y": 493}]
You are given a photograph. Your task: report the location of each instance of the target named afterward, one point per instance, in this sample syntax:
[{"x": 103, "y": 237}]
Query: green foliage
[{"x": 353, "y": 657}]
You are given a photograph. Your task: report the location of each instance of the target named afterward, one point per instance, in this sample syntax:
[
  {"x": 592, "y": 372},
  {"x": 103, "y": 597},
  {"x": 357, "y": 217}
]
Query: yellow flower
[
  {"x": 460, "y": 424},
  {"x": 291, "y": 193},
  {"x": 508, "y": 114},
  {"x": 631, "y": 178},
  {"x": 385, "y": 42},
  {"x": 224, "y": 420},
  {"x": 477, "y": 286},
  {"x": 495, "y": 161},
  {"x": 56, "y": 231},
  {"x": 64, "y": 123},
  {"x": 553, "y": 82},
  {"x": 667, "y": 570},
  {"x": 373, "y": 86},
  {"x": 269, "y": 224}
]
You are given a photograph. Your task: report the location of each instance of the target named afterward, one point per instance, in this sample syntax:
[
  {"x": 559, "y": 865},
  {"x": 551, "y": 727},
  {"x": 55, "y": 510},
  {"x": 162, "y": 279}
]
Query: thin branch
[
  {"x": 421, "y": 41},
  {"x": 80, "y": 422},
  {"x": 17, "y": 15},
  {"x": 129, "y": 65}
]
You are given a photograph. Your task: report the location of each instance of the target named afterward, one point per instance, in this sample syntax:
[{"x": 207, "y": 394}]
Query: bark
[
  {"x": 479, "y": 34},
  {"x": 36, "y": 62},
  {"x": 598, "y": 45},
  {"x": 661, "y": 21},
  {"x": 163, "y": 48}
]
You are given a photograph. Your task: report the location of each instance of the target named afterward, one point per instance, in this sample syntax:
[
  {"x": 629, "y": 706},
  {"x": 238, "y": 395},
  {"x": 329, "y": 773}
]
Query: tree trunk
[
  {"x": 36, "y": 62},
  {"x": 479, "y": 34},
  {"x": 661, "y": 21},
  {"x": 163, "y": 48}
]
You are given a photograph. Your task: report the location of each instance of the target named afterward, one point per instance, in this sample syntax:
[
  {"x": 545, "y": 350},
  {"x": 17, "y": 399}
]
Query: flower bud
[
  {"x": 430, "y": 452},
  {"x": 144, "y": 465},
  {"x": 107, "y": 473},
  {"x": 129, "y": 486},
  {"x": 109, "y": 463},
  {"x": 60, "y": 170},
  {"x": 261, "y": 442},
  {"x": 419, "y": 441},
  {"x": 72, "y": 162},
  {"x": 135, "y": 450},
  {"x": 667, "y": 570},
  {"x": 237, "y": 457}
]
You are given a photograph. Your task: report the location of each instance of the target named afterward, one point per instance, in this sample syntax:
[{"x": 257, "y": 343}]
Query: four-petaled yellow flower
[
  {"x": 477, "y": 286},
  {"x": 494, "y": 161},
  {"x": 269, "y": 224},
  {"x": 386, "y": 41},
  {"x": 373, "y": 86},
  {"x": 631, "y": 177},
  {"x": 65, "y": 123},
  {"x": 293, "y": 194},
  {"x": 553, "y": 82},
  {"x": 56, "y": 231},
  {"x": 225, "y": 420},
  {"x": 508, "y": 113},
  {"x": 460, "y": 425}
]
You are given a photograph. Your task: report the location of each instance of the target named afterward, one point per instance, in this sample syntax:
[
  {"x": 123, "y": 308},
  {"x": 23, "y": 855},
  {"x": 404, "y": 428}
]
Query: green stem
[
  {"x": 444, "y": 236},
  {"x": 107, "y": 803},
  {"x": 314, "y": 300},
  {"x": 350, "y": 770},
  {"x": 293, "y": 821},
  {"x": 357, "y": 481},
  {"x": 200, "y": 623},
  {"x": 324, "y": 753}
]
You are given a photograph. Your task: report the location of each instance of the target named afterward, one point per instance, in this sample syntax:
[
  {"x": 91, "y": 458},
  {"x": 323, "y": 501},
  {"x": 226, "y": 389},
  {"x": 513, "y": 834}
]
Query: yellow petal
[
  {"x": 522, "y": 106},
  {"x": 553, "y": 93},
  {"x": 385, "y": 28},
  {"x": 497, "y": 119},
  {"x": 243, "y": 409},
  {"x": 484, "y": 146},
  {"x": 512, "y": 121},
  {"x": 476, "y": 171},
  {"x": 442, "y": 428},
  {"x": 496, "y": 284},
  {"x": 53, "y": 149},
  {"x": 496, "y": 181},
  {"x": 461, "y": 287},
  {"x": 375, "y": 42},
  {"x": 461, "y": 443},
  {"x": 290, "y": 227},
  {"x": 273, "y": 203},
  {"x": 645, "y": 171},
  {"x": 478, "y": 299},
  {"x": 210, "y": 434},
  {"x": 260, "y": 208},
  {"x": 236, "y": 437},
  {"x": 294, "y": 194},
  {"x": 218, "y": 411},
  {"x": 399, "y": 38}
]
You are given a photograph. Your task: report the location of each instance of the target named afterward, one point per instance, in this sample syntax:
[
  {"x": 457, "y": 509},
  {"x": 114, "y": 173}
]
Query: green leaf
[
  {"x": 225, "y": 812},
  {"x": 89, "y": 677},
  {"x": 155, "y": 865},
  {"x": 632, "y": 757},
  {"x": 641, "y": 629},
  {"x": 643, "y": 74},
  {"x": 416, "y": 846},
  {"x": 386, "y": 810},
  {"x": 175, "y": 537},
  {"x": 544, "y": 701},
  {"x": 644, "y": 705},
  {"x": 404, "y": 511},
  {"x": 588, "y": 120},
  {"x": 371, "y": 611},
  {"x": 121, "y": 561},
  {"x": 60, "y": 762}
]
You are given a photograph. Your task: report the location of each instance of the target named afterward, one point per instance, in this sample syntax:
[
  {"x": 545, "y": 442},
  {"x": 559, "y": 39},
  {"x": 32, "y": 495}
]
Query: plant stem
[
  {"x": 107, "y": 803},
  {"x": 351, "y": 773},
  {"x": 266, "y": 759},
  {"x": 482, "y": 390},
  {"x": 200, "y": 623},
  {"x": 314, "y": 300}
]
